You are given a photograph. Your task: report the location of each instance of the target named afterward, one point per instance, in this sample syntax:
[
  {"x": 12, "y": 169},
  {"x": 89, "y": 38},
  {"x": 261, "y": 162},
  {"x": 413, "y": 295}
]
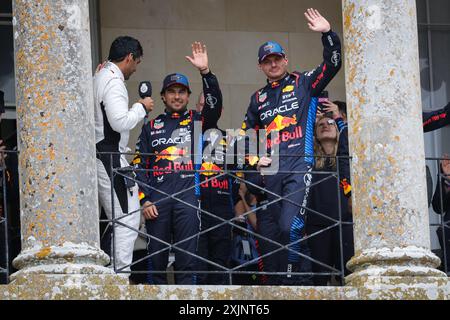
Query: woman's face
[{"x": 326, "y": 129}]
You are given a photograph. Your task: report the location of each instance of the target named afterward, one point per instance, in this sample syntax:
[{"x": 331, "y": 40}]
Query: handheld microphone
[{"x": 145, "y": 89}]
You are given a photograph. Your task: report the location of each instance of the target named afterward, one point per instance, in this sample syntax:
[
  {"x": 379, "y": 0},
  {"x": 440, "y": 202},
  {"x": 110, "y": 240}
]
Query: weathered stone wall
[
  {"x": 55, "y": 122},
  {"x": 54, "y": 94},
  {"x": 389, "y": 192}
]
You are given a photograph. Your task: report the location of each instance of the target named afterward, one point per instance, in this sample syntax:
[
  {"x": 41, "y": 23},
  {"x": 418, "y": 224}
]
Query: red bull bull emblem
[
  {"x": 137, "y": 159},
  {"x": 280, "y": 123},
  {"x": 209, "y": 169},
  {"x": 346, "y": 186},
  {"x": 171, "y": 153}
]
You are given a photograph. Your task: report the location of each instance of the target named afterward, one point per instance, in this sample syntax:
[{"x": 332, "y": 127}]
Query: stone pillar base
[
  {"x": 393, "y": 264},
  {"x": 401, "y": 288},
  {"x": 70, "y": 263}
]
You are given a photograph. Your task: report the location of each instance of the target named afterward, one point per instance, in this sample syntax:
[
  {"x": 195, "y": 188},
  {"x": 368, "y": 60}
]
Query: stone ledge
[
  {"x": 397, "y": 291},
  {"x": 147, "y": 292}
]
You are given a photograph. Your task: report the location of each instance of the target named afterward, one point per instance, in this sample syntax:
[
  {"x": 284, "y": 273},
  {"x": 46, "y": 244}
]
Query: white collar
[{"x": 115, "y": 69}]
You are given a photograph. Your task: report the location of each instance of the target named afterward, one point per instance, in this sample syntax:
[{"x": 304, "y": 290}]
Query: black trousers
[
  {"x": 215, "y": 245},
  {"x": 176, "y": 222},
  {"x": 325, "y": 247},
  {"x": 445, "y": 241},
  {"x": 285, "y": 223},
  {"x": 3, "y": 273}
]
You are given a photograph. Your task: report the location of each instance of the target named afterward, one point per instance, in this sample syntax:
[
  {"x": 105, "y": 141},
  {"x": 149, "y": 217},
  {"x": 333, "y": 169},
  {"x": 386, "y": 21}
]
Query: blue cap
[
  {"x": 269, "y": 48},
  {"x": 175, "y": 78}
]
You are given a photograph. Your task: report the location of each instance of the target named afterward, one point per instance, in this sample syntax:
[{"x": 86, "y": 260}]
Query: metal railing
[
  {"x": 234, "y": 271},
  {"x": 439, "y": 200},
  {"x": 331, "y": 270},
  {"x": 6, "y": 231}
]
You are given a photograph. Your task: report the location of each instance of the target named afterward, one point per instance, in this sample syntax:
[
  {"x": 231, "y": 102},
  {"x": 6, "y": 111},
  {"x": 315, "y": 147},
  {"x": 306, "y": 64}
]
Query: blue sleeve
[{"x": 341, "y": 124}]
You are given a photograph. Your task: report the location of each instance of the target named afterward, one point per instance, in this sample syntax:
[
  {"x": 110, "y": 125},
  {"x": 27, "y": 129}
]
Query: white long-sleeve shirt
[{"x": 110, "y": 90}]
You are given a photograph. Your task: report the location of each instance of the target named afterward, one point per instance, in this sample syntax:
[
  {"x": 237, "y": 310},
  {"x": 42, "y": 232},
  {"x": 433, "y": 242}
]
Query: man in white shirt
[{"x": 113, "y": 122}]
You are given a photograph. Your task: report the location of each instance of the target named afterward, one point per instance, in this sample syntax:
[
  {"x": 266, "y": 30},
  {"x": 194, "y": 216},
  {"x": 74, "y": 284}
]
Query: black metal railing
[
  {"x": 439, "y": 200},
  {"x": 9, "y": 212},
  {"x": 140, "y": 268},
  {"x": 332, "y": 270}
]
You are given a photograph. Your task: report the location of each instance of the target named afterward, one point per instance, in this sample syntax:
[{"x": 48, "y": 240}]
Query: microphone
[{"x": 145, "y": 89}]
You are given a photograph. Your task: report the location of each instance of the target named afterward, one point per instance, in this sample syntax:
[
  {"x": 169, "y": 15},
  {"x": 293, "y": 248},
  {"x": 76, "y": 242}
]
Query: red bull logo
[
  {"x": 208, "y": 169},
  {"x": 285, "y": 136},
  {"x": 172, "y": 167},
  {"x": 137, "y": 159},
  {"x": 171, "y": 153},
  {"x": 216, "y": 184},
  {"x": 280, "y": 123},
  {"x": 346, "y": 187}
]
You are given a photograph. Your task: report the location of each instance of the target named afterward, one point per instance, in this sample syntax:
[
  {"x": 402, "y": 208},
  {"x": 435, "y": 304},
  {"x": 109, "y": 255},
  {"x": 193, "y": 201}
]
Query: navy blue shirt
[{"x": 284, "y": 107}]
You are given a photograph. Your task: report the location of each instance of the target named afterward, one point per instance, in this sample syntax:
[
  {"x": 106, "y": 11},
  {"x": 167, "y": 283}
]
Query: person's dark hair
[
  {"x": 342, "y": 106},
  {"x": 122, "y": 47}
]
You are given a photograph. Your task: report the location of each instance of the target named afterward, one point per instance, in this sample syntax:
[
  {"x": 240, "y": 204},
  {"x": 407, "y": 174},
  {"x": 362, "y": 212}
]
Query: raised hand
[
  {"x": 316, "y": 22},
  {"x": 331, "y": 107},
  {"x": 319, "y": 113},
  {"x": 199, "y": 57}
]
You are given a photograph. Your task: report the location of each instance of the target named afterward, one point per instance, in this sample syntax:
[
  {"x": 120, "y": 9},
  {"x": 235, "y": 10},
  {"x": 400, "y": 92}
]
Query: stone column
[
  {"x": 58, "y": 180},
  {"x": 392, "y": 235}
]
